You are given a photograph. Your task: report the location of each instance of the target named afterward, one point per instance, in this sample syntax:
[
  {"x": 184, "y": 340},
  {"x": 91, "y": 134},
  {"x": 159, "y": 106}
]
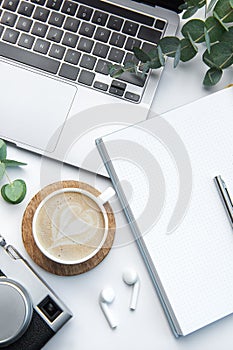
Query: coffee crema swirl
[{"x": 70, "y": 226}]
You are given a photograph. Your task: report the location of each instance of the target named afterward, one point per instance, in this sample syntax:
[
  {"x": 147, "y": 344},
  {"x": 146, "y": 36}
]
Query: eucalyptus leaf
[
  {"x": 14, "y": 192},
  {"x": 224, "y": 10},
  {"x": 155, "y": 62},
  {"x": 169, "y": 45},
  {"x": 3, "y": 151},
  {"x": 211, "y": 5},
  {"x": 192, "y": 43},
  {"x": 231, "y": 3},
  {"x": 207, "y": 39},
  {"x": 212, "y": 77},
  {"x": 187, "y": 50},
  {"x": 116, "y": 72},
  {"x": 190, "y": 12},
  {"x": 161, "y": 56},
  {"x": 220, "y": 21},
  {"x": 214, "y": 28},
  {"x": 141, "y": 55},
  {"x": 177, "y": 56},
  {"x": 2, "y": 170},
  {"x": 194, "y": 28},
  {"x": 220, "y": 56},
  {"x": 227, "y": 37},
  {"x": 12, "y": 163},
  {"x": 130, "y": 66}
]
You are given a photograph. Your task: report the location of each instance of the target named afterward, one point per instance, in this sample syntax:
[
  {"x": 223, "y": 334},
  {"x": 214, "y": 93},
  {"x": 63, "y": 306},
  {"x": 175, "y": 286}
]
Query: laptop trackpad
[{"x": 33, "y": 107}]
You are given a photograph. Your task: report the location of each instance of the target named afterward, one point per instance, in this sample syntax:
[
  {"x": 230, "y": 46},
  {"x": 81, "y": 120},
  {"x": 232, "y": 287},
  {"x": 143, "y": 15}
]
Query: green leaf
[
  {"x": 192, "y": 43},
  {"x": 231, "y": 3},
  {"x": 116, "y": 71},
  {"x": 220, "y": 56},
  {"x": 207, "y": 39},
  {"x": 190, "y": 12},
  {"x": 161, "y": 56},
  {"x": 2, "y": 170},
  {"x": 227, "y": 37},
  {"x": 211, "y": 5},
  {"x": 183, "y": 6},
  {"x": 220, "y": 21},
  {"x": 194, "y": 28},
  {"x": 12, "y": 163},
  {"x": 155, "y": 62},
  {"x": 14, "y": 192},
  {"x": 214, "y": 28},
  {"x": 169, "y": 45},
  {"x": 141, "y": 55},
  {"x": 177, "y": 56},
  {"x": 212, "y": 77},
  {"x": 2, "y": 150},
  {"x": 224, "y": 10},
  {"x": 187, "y": 50}
]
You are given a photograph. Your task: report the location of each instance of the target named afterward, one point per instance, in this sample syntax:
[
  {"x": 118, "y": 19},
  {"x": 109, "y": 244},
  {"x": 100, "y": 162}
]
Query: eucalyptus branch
[{"x": 215, "y": 32}]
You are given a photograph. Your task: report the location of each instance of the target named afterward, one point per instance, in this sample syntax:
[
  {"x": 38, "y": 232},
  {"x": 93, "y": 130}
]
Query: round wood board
[{"x": 36, "y": 254}]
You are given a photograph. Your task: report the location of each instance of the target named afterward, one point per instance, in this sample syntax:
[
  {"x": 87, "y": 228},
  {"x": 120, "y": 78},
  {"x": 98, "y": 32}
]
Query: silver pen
[{"x": 225, "y": 197}]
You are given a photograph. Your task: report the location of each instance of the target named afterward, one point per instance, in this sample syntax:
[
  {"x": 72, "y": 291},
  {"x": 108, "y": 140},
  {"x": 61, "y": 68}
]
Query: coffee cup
[{"x": 70, "y": 225}]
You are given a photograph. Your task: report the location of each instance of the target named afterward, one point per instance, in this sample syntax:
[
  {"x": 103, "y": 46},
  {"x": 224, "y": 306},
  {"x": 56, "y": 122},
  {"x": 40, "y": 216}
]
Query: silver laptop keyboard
[{"x": 79, "y": 41}]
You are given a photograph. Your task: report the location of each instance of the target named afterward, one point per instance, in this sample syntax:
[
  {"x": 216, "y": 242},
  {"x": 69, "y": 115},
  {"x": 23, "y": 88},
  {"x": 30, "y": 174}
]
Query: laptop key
[
  {"x": 70, "y": 40},
  {"x": 69, "y": 8},
  {"x": 88, "y": 62},
  {"x": 103, "y": 67},
  {"x": 118, "y": 84},
  {"x": 148, "y": 47},
  {"x": 131, "y": 43},
  {"x": 25, "y": 8},
  {"x": 54, "y": 4},
  {"x": 41, "y": 46},
  {"x": 85, "y": 45},
  {"x": 132, "y": 97},
  {"x": 39, "y": 29},
  {"x": 55, "y": 34},
  {"x": 116, "y": 55},
  {"x": 100, "y": 18},
  {"x": 101, "y": 86},
  {"x": 84, "y": 13},
  {"x": 56, "y": 19},
  {"x": 149, "y": 34},
  {"x": 57, "y": 51},
  {"x": 41, "y": 14},
  {"x": 72, "y": 56},
  {"x": 69, "y": 72},
  {"x": 24, "y": 24},
  {"x": 71, "y": 24},
  {"x": 11, "y": 35},
  {"x": 130, "y": 28},
  {"x": 87, "y": 29},
  {"x": 135, "y": 79},
  {"x": 8, "y": 19},
  {"x": 38, "y": 2},
  {"x": 160, "y": 24},
  {"x": 86, "y": 77},
  {"x": 117, "y": 39},
  {"x": 115, "y": 23},
  {"x": 29, "y": 58},
  {"x": 130, "y": 58},
  {"x": 102, "y": 34},
  {"x": 115, "y": 91},
  {"x": 10, "y": 4},
  {"x": 101, "y": 50},
  {"x": 26, "y": 41}
]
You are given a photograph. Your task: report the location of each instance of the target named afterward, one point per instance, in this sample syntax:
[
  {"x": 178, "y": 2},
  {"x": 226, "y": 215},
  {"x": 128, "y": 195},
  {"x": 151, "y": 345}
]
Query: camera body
[{"x": 31, "y": 313}]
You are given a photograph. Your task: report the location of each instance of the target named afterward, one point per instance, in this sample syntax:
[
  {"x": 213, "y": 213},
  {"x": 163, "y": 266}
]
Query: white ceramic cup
[{"x": 99, "y": 201}]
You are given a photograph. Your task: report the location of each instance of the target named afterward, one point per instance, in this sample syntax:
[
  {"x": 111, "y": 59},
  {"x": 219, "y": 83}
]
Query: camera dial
[{"x": 15, "y": 309}]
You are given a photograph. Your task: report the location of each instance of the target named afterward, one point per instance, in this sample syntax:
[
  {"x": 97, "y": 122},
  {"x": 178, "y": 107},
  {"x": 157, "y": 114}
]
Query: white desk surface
[{"x": 147, "y": 327}]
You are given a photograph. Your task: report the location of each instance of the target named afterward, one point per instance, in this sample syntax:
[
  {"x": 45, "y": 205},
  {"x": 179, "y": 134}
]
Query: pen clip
[{"x": 225, "y": 197}]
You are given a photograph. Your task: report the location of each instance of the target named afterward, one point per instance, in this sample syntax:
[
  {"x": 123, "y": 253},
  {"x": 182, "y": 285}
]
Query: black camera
[{"x": 30, "y": 312}]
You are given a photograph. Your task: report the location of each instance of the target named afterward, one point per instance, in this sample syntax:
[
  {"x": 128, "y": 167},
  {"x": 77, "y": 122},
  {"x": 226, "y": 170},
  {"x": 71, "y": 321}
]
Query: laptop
[{"x": 57, "y": 96}]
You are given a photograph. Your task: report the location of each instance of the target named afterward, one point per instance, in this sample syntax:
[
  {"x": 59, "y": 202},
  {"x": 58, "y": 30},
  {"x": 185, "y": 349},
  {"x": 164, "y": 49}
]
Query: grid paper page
[{"x": 195, "y": 262}]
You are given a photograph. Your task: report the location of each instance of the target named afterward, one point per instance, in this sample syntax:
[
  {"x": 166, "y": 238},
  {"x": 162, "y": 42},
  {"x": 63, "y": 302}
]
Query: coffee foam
[{"x": 70, "y": 226}]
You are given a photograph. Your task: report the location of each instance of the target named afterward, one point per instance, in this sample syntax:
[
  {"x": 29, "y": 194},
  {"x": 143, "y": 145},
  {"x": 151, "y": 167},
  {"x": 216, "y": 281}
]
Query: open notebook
[{"x": 163, "y": 170}]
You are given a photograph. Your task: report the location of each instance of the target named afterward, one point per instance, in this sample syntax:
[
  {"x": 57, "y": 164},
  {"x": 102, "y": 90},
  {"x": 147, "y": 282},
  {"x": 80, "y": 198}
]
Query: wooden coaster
[{"x": 42, "y": 260}]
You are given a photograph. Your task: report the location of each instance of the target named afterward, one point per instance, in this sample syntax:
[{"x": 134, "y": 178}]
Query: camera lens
[{"x": 49, "y": 308}]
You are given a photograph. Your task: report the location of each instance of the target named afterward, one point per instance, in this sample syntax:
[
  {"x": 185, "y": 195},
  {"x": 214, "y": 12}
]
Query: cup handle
[{"x": 106, "y": 195}]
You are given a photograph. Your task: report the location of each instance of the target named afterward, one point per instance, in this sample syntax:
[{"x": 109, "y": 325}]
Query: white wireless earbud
[
  {"x": 131, "y": 278},
  {"x": 107, "y": 296}
]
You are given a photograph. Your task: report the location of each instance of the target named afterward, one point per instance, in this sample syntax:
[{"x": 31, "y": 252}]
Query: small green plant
[
  {"x": 215, "y": 32},
  {"x": 15, "y": 191}
]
